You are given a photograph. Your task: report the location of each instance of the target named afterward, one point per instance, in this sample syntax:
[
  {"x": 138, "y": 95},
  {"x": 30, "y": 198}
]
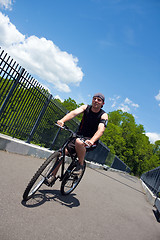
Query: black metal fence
[
  {"x": 101, "y": 153},
  {"x": 118, "y": 164},
  {"x": 28, "y": 111},
  {"x": 152, "y": 179}
]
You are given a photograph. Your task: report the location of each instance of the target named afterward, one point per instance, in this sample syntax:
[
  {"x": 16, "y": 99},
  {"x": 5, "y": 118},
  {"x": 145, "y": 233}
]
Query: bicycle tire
[
  {"x": 40, "y": 176},
  {"x": 70, "y": 181}
]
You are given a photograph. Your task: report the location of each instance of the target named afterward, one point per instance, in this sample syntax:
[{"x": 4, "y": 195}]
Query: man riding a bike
[{"x": 91, "y": 129}]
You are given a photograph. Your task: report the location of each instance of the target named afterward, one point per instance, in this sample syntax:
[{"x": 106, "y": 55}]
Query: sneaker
[
  {"x": 51, "y": 179},
  {"x": 78, "y": 170}
]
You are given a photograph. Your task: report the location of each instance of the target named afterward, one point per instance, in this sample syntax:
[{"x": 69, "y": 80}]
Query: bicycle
[{"x": 67, "y": 177}]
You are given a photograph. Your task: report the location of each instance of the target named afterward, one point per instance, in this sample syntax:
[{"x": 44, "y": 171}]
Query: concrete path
[{"x": 106, "y": 205}]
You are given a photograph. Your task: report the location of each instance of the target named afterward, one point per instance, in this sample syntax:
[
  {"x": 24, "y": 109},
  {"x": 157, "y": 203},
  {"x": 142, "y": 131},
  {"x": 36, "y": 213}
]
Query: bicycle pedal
[{"x": 51, "y": 183}]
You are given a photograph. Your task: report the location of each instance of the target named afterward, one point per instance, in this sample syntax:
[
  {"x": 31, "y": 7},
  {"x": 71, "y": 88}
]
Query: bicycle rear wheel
[
  {"x": 70, "y": 180},
  {"x": 40, "y": 176}
]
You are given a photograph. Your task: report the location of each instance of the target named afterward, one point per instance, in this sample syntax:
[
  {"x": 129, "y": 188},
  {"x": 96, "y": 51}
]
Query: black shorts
[{"x": 71, "y": 146}]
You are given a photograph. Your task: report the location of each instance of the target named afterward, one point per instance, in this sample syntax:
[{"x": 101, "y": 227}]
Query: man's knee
[{"x": 78, "y": 142}]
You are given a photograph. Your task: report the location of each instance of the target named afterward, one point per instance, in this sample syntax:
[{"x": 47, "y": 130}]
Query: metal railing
[
  {"x": 120, "y": 165},
  {"x": 152, "y": 180},
  {"x": 28, "y": 111}
]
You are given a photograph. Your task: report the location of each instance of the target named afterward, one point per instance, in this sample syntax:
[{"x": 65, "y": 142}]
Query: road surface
[{"x": 106, "y": 205}]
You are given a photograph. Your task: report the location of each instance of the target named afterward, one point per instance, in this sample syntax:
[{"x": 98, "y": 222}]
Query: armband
[{"x": 104, "y": 122}]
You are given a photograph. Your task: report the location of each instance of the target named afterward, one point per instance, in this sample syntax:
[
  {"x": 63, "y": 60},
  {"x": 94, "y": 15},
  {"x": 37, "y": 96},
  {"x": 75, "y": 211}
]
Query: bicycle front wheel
[
  {"x": 70, "y": 180},
  {"x": 40, "y": 176}
]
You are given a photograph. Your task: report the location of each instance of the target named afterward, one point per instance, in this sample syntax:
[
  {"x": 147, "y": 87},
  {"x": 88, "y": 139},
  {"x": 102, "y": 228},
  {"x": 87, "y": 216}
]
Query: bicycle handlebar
[
  {"x": 73, "y": 133},
  {"x": 65, "y": 128}
]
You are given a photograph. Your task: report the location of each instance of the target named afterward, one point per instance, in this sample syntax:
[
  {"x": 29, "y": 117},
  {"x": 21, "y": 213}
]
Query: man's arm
[
  {"x": 100, "y": 131},
  {"x": 72, "y": 115}
]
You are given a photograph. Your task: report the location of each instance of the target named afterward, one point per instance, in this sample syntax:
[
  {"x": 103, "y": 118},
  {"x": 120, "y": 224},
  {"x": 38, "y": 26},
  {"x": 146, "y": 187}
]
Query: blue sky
[{"x": 76, "y": 48}]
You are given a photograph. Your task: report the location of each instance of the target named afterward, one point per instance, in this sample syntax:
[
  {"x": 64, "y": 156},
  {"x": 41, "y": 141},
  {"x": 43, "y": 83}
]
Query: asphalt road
[{"x": 106, "y": 205}]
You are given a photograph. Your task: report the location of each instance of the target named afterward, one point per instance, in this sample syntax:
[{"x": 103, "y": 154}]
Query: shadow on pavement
[{"x": 51, "y": 195}]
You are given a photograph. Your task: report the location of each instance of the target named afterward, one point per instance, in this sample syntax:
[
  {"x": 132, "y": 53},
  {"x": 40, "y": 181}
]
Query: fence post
[
  {"x": 11, "y": 91},
  {"x": 39, "y": 119},
  {"x": 56, "y": 136}
]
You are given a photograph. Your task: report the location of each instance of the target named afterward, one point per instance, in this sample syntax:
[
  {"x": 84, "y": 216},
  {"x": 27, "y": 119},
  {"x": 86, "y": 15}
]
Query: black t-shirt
[{"x": 90, "y": 122}]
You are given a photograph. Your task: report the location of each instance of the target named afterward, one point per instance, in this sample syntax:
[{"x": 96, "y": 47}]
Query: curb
[
  {"x": 17, "y": 146},
  {"x": 150, "y": 196},
  {"x": 14, "y": 145}
]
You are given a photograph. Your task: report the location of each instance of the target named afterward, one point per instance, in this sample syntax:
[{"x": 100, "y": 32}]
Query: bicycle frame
[
  {"x": 63, "y": 154},
  {"x": 69, "y": 180}
]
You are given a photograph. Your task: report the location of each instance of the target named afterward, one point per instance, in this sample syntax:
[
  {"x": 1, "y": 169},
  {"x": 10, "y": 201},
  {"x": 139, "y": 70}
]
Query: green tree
[
  {"x": 157, "y": 148},
  {"x": 128, "y": 141},
  {"x": 70, "y": 105}
]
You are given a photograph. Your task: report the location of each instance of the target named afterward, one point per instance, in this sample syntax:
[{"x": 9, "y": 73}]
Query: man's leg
[
  {"x": 80, "y": 150},
  {"x": 52, "y": 176},
  {"x": 58, "y": 166}
]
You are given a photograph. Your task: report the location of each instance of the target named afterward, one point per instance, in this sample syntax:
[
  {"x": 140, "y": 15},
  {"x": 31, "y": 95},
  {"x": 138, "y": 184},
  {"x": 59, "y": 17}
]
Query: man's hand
[
  {"x": 89, "y": 143},
  {"x": 60, "y": 123}
]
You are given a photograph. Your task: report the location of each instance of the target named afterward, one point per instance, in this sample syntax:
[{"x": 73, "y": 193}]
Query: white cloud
[
  {"x": 153, "y": 136},
  {"x": 157, "y": 97},
  {"x": 127, "y": 105},
  {"x": 124, "y": 107},
  {"x": 135, "y": 105},
  {"x": 129, "y": 102},
  {"x": 6, "y": 4},
  {"x": 9, "y": 35},
  {"x": 40, "y": 57},
  {"x": 114, "y": 100}
]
